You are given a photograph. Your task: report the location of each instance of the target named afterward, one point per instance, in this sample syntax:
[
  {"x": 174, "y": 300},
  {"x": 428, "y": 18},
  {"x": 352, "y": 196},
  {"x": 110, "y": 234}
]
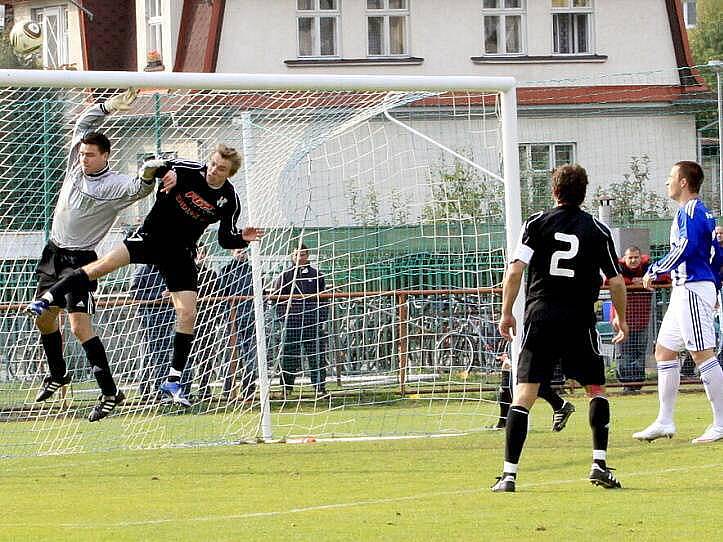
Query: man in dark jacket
[
  {"x": 155, "y": 322},
  {"x": 235, "y": 281},
  {"x": 304, "y": 321}
]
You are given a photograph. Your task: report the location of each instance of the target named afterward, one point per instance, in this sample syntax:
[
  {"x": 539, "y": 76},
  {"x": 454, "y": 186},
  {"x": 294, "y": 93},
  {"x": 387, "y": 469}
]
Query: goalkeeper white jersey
[{"x": 89, "y": 204}]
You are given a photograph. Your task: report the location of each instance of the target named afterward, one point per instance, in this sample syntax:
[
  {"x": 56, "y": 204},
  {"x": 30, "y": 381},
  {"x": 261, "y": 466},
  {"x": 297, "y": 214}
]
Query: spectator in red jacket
[{"x": 630, "y": 355}]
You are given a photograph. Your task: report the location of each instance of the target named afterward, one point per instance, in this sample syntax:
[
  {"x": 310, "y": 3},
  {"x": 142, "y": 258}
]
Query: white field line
[{"x": 343, "y": 505}]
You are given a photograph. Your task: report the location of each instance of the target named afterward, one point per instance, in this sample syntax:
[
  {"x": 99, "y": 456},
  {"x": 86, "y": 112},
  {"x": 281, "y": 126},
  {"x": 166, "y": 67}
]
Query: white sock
[
  {"x": 175, "y": 372},
  {"x": 668, "y": 384},
  {"x": 712, "y": 376},
  {"x": 510, "y": 468}
]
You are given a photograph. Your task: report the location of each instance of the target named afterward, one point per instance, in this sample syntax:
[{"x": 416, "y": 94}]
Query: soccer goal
[{"x": 404, "y": 190}]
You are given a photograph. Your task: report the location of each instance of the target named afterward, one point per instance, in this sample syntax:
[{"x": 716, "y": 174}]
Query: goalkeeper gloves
[
  {"x": 121, "y": 102},
  {"x": 148, "y": 170}
]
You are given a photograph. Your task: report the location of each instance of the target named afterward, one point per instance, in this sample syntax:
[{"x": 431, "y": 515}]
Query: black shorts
[
  {"x": 176, "y": 263},
  {"x": 56, "y": 263},
  {"x": 575, "y": 346}
]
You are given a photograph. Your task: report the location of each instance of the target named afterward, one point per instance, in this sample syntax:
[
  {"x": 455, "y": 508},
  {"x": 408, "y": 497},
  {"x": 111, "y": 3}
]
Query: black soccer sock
[
  {"x": 600, "y": 425},
  {"x": 181, "y": 350},
  {"x": 53, "y": 347},
  {"x": 77, "y": 280},
  {"x": 98, "y": 359},
  {"x": 548, "y": 394},
  {"x": 516, "y": 433},
  {"x": 504, "y": 394}
]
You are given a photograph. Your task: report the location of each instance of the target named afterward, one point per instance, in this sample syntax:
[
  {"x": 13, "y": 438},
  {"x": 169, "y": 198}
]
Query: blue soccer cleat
[
  {"x": 37, "y": 307},
  {"x": 175, "y": 390}
]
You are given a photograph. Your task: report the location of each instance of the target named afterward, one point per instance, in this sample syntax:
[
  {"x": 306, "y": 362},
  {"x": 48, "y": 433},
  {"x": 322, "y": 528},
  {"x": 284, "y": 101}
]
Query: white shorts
[{"x": 688, "y": 322}]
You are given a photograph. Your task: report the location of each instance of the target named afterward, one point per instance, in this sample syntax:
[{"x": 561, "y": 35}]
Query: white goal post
[{"x": 308, "y": 142}]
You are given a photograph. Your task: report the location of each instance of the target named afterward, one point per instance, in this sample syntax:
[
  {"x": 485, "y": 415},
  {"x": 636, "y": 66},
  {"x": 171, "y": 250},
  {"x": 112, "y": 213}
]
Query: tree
[
  {"x": 633, "y": 201},
  {"x": 706, "y": 39},
  {"x": 363, "y": 206},
  {"x": 459, "y": 192}
]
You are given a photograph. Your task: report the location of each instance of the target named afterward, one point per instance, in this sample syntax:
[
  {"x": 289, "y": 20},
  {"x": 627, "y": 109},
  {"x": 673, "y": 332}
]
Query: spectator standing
[
  {"x": 235, "y": 280},
  {"x": 304, "y": 321},
  {"x": 631, "y": 355},
  {"x": 155, "y": 320}
]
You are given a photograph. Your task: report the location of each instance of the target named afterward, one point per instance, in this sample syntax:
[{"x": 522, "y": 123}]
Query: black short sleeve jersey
[
  {"x": 566, "y": 250},
  {"x": 181, "y": 216}
]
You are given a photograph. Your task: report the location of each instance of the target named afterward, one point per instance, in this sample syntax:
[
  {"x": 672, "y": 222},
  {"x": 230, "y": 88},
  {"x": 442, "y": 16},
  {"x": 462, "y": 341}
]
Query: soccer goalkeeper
[
  {"x": 192, "y": 197},
  {"x": 90, "y": 199}
]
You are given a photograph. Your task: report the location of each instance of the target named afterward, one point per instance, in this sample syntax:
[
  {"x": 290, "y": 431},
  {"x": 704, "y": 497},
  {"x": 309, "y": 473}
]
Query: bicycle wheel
[{"x": 454, "y": 352}]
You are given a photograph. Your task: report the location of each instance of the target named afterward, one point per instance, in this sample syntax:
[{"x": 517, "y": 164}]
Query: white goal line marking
[{"x": 352, "y": 504}]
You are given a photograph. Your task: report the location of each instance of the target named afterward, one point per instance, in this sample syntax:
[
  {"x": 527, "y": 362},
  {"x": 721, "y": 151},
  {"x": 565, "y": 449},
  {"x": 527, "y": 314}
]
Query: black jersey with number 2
[
  {"x": 181, "y": 216},
  {"x": 566, "y": 249}
]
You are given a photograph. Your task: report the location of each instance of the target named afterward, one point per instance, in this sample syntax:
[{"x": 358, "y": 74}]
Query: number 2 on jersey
[{"x": 561, "y": 255}]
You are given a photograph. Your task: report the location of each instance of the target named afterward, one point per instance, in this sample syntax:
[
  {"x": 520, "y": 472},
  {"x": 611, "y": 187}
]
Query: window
[
  {"x": 318, "y": 27},
  {"x": 537, "y": 161},
  {"x": 54, "y": 21},
  {"x": 689, "y": 13},
  {"x": 154, "y": 27},
  {"x": 387, "y": 22},
  {"x": 503, "y": 27},
  {"x": 572, "y": 27}
]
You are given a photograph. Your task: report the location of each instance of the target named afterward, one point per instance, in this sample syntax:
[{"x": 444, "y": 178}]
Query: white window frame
[
  {"x": 528, "y": 176},
  {"x": 688, "y": 7},
  {"x": 552, "y": 147},
  {"x": 317, "y": 14},
  {"x": 571, "y": 8},
  {"x": 386, "y": 12},
  {"x": 41, "y": 15},
  {"x": 502, "y": 13},
  {"x": 154, "y": 27}
]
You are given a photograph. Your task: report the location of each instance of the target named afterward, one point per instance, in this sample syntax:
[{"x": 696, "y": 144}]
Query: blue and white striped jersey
[{"x": 691, "y": 243}]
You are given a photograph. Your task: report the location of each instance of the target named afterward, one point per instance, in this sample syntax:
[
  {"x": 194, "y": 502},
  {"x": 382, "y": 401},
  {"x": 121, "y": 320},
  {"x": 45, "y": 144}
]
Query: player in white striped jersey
[
  {"x": 90, "y": 199},
  {"x": 688, "y": 322}
]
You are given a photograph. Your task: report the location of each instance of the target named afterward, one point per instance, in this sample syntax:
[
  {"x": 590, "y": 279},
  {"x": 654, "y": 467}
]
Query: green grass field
[{"x": 417, "y": 489}]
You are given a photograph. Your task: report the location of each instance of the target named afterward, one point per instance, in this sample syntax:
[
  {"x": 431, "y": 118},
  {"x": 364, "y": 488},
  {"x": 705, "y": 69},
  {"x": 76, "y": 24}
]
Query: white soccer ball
[{"x": 26, "y": 37}]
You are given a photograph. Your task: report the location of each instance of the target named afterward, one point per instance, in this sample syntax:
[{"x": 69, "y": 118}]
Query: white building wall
[
  {"x": 258, "y": 36},
  {"x": 385, "y": 159},
  {"x": 605, "y": 145}
]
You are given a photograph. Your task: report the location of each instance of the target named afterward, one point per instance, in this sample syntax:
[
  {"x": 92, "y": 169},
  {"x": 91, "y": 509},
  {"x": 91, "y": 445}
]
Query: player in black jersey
[
  {"x": 565, "y": 250},
  {"x": 192, "y": 196}
]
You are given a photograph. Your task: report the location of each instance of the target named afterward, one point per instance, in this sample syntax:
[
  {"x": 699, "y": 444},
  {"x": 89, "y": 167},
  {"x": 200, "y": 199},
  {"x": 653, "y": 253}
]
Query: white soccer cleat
[
  {"x": 654, "y": 431},
  {"x": 713, "y": 433}
]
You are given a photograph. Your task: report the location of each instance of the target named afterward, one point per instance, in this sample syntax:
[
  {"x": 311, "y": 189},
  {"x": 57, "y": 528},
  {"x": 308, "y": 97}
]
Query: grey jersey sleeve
[{"x": 119, "y": 188}]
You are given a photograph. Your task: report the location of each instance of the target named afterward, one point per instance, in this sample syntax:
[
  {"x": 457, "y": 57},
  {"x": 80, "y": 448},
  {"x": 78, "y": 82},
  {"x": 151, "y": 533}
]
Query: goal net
[{"x": 394, "y": 187}]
